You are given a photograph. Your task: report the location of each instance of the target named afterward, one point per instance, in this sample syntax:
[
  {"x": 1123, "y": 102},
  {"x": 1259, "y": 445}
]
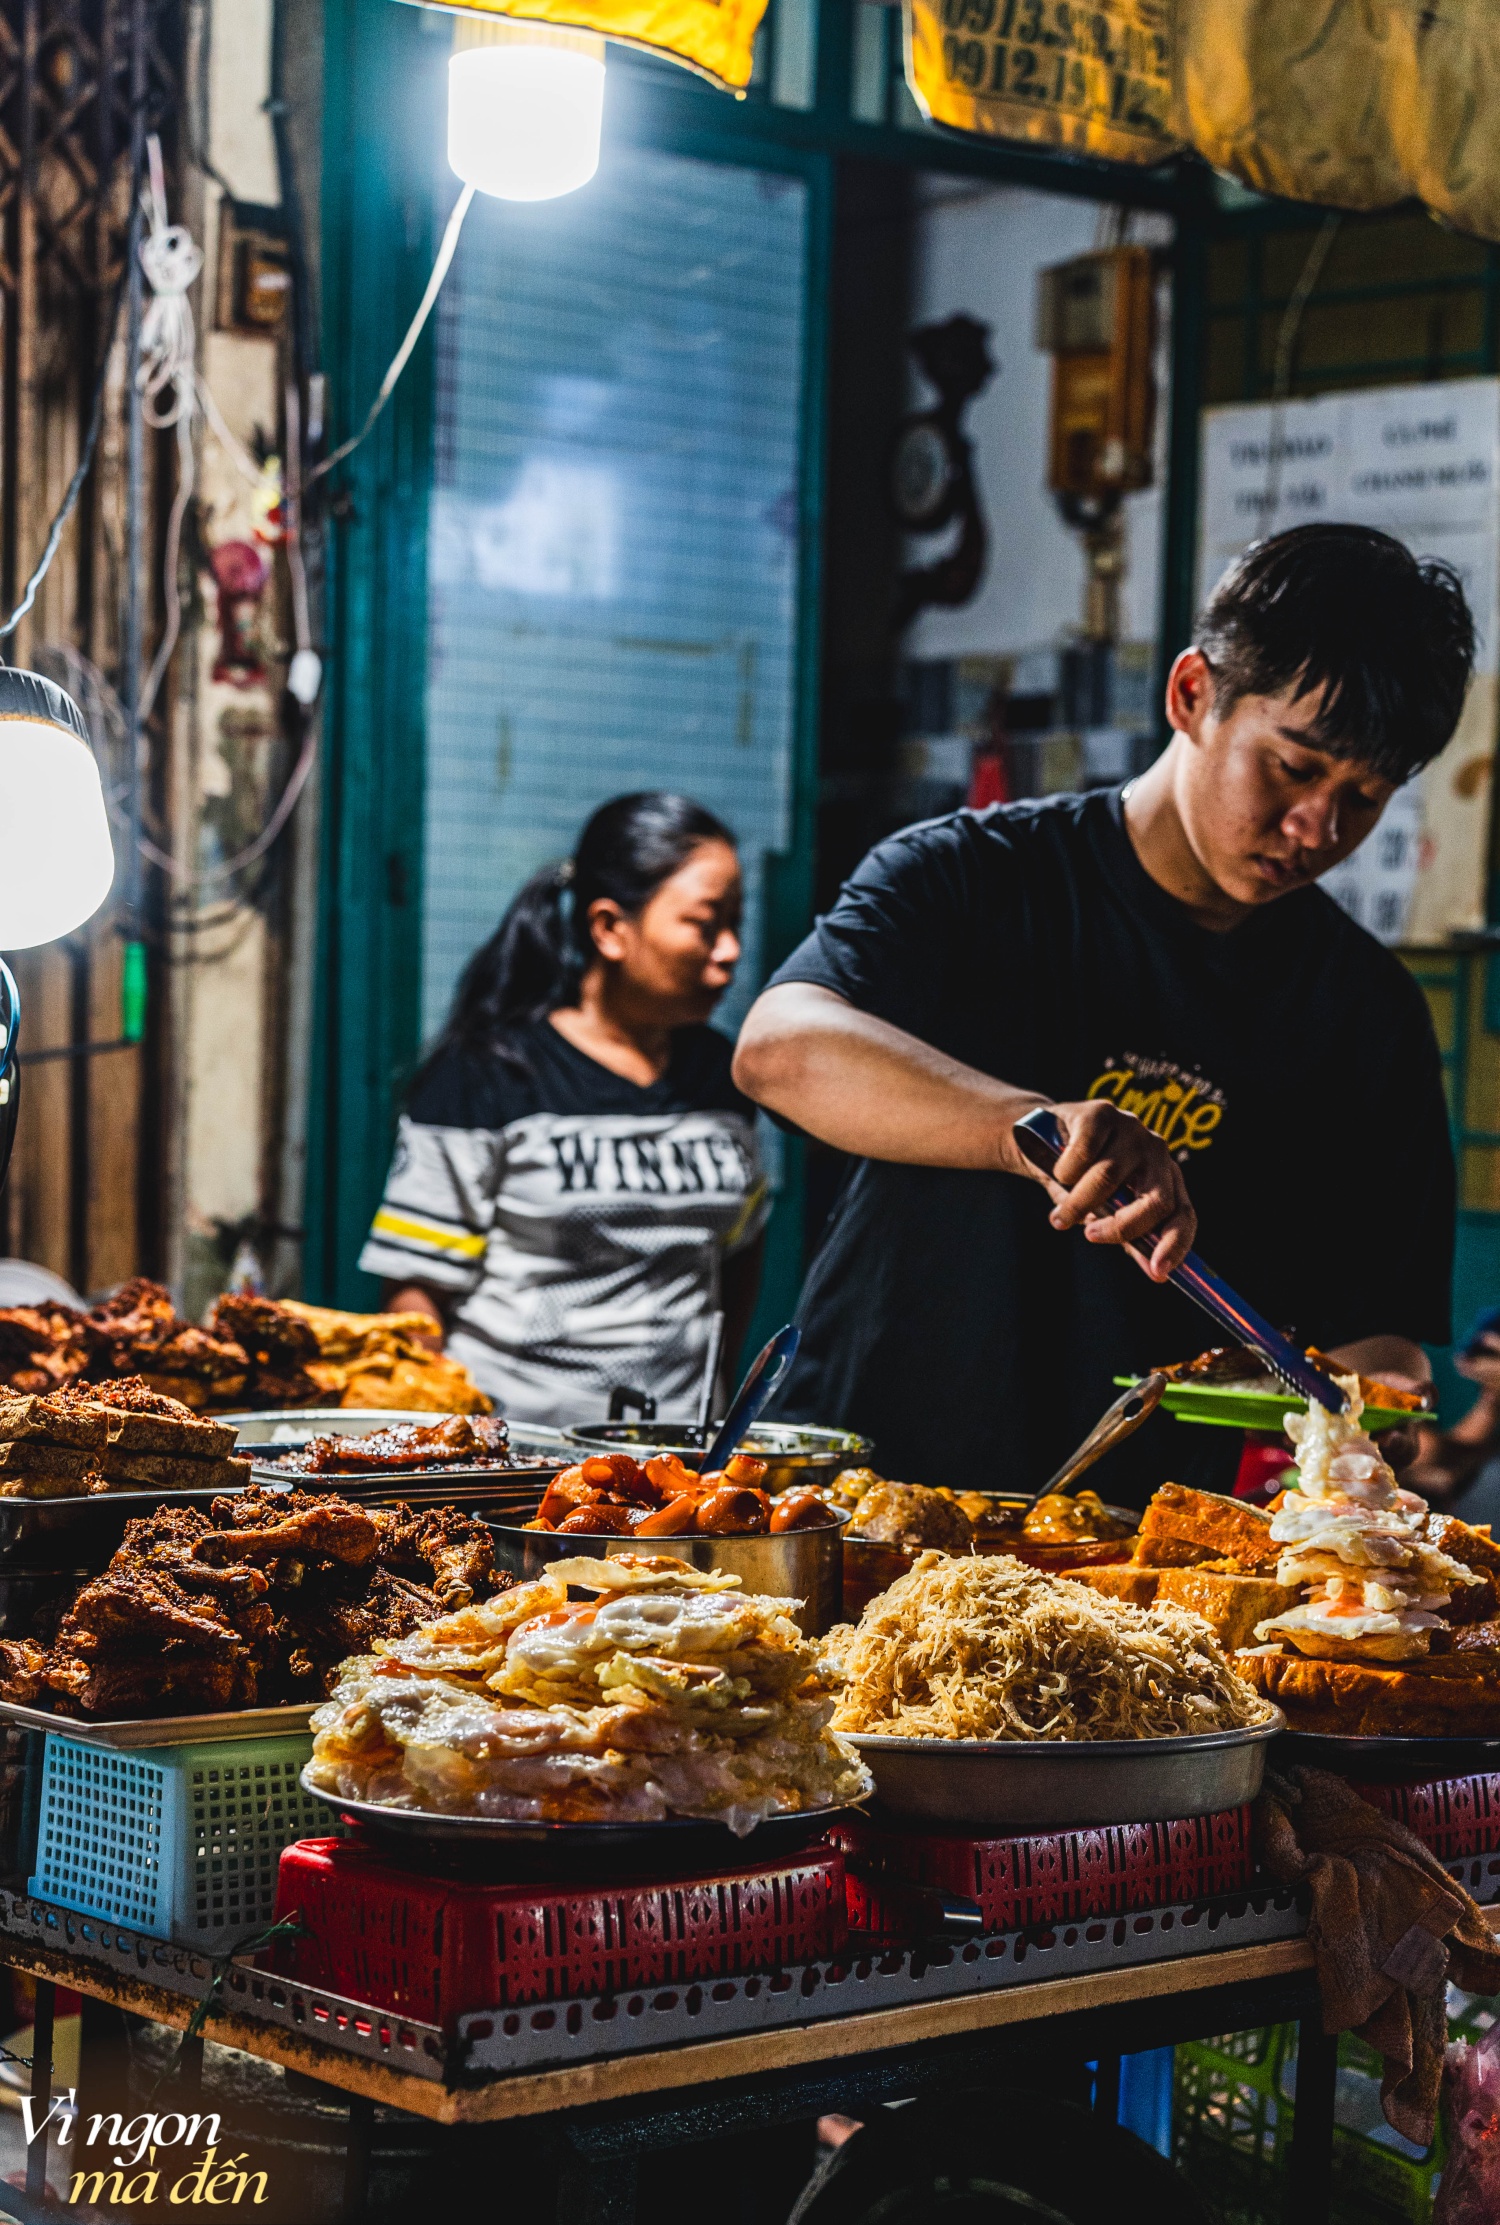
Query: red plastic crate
[
  {"x": 1451, "y": 1815},
  {"x": 434, "y": 1948},
  {"x": 1053, "y": 1878}
]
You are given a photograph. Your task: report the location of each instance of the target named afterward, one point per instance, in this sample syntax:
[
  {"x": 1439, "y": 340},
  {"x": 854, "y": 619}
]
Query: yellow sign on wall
[
  {"x": 1093, "y": 79},
  {"x": 715, "y": 37}
]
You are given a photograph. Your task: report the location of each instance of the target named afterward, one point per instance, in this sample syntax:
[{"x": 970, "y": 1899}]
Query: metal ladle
[{"x": 1117, "y": 1423}]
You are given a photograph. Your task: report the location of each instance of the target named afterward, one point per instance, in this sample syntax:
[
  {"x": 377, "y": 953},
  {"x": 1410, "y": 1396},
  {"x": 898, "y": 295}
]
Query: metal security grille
[
  {"x": 612, "y": 570},
  {"x": 83, "y": 1194}
]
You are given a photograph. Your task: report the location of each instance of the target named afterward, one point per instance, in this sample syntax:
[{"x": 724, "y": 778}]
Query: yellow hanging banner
[
  {"x": 715, "y": 37},
  {"x": 1353, "y": 106},
  {"x": 1091, "y": 80}
]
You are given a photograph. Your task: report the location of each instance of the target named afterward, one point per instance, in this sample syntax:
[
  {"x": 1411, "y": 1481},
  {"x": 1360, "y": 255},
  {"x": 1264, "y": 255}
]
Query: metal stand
[
  {"x": 357, "y": 2159},
  {"x": 1310, "y": 2165}
]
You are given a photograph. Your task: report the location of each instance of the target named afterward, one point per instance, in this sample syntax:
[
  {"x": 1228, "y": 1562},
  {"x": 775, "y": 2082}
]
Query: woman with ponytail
[{"x": 576, "y": 1188}]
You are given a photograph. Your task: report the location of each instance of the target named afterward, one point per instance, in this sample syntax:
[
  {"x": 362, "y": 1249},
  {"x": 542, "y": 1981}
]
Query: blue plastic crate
[{"x": 179, "y": 1842}]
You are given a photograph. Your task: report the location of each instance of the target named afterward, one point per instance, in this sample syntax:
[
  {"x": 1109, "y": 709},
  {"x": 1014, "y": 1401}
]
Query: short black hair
[{"x": 1387, "y": 637}]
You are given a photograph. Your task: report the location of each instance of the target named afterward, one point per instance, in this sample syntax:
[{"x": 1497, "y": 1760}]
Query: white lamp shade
[
  {"x": 523, "y": 120},
  {"x": 56, "y": 858}
]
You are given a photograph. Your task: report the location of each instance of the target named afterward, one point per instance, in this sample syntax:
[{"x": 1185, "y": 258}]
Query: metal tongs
[
  {"x": 1114, "y": 1425},
  {"x": 1040, "y": 1136}
]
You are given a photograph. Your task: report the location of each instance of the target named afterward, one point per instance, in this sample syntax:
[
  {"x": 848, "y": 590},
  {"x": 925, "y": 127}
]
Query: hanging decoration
[
  {"x": 714, "y": 37},
  {"x": 1093, "y": 80},
  {"x": 1313, "y": 100},
  {"x": 1355, "y": 107}
]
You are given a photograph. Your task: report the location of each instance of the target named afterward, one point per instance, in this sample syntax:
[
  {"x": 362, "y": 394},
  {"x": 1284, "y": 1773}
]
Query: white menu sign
[{"x": 1422, "y": 462}]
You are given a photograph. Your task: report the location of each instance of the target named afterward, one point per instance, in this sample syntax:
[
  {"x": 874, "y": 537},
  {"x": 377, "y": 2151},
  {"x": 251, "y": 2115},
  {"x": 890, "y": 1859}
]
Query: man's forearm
[{"x": 870, "y": 1089}]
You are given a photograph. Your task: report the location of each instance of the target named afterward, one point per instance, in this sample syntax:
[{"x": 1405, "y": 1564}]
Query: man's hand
[
  {"x": 1109, "y": 1150},
  {"x": 872, "y": 1090}
]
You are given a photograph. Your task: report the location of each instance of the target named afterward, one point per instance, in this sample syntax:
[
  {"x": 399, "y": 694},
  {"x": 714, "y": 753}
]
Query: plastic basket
[
  {"x": 178, "y": 1842},
  {"x": 435, "y": 1948},
  {"x": 1451, "y": 1815},
  {"x": 1056, "y": 1877},
  {"x": 1232, "y": 2126}
]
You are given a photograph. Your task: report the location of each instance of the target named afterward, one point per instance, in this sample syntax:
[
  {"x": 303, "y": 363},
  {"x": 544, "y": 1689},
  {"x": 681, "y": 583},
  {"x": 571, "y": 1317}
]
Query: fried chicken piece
[
  {"x": 23, "y": 1671},
  {"x": 151, "y": 1685},
  {"x": 140, "y": 1331},
  {"x": 268, "y": 1332},
  {"x": 330, "y": 1630},
  {"x": 456, "y": 1552},
  {"x": 138, "y": 1606},
  {"x": 399, "y": 1445},
  {"x": 43, "y": 1347},
  {"x": 277, "y": 1344},
  {"x": 328, "y": 1528}
]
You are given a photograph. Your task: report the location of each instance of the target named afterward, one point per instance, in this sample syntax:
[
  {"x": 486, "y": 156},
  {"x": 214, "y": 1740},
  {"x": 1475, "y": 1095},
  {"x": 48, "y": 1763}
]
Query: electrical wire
[
  {"x": 75, "y": 485},
  {"x": 413, "y": 333},
  {"x": 171, "y": 260},
  {"x": 1286, "y": 346}
]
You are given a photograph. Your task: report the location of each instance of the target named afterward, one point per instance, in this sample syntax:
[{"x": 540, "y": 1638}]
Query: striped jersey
[{"x": 573, "y": 1223}]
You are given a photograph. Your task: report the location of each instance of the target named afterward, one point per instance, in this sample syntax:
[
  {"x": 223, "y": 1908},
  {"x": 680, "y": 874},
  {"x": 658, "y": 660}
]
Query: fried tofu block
[
  {"x": 22, "y": 1485},
  {"x": 32, "y": 1458},
  {"x": 1153, "y": 1549},
  {"x": 1230, "y": 1605},
  {"x": 1227, "y": 1528},
  {"x": 1119, "y": 1580},
  {"x": 38, "y": 1419},
  {"x": 150, "y": 1471},
  {"x": 1449, "y": 1695},
  {"x": 163, "y": 1433}
]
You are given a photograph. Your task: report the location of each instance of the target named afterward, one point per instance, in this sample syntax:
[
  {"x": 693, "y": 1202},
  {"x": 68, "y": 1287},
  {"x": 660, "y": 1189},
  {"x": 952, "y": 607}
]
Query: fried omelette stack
[{"x": 668, "y": 1694}]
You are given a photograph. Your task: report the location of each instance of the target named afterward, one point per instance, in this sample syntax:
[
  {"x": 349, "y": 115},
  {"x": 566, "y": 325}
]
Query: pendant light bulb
[
  {"x": 524, "y": 109},
  {"x": 57, "y": 862}
]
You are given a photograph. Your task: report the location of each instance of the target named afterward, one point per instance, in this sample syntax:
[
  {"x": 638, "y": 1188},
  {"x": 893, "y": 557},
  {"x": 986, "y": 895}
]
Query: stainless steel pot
[
  {"x": 794, "y": 1452},
  {"x": 805, "y": 1565},
  {"x": 1017, "y": 1785}
]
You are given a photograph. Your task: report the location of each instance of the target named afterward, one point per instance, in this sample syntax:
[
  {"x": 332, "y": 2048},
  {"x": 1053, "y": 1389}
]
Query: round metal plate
[
  {"x": 1016, "y": 1785},
  {"x": 678, "y": 1842},
  {"x": 1377, "y": 1759}
]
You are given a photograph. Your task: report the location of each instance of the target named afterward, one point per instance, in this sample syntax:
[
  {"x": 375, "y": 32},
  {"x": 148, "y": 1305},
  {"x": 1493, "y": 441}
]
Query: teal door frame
[{"x": 385, "y": 202}]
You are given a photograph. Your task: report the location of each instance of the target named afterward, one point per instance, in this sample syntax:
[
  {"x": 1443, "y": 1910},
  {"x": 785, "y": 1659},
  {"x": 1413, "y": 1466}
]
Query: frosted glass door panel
[{"x": 612, "y": 567}]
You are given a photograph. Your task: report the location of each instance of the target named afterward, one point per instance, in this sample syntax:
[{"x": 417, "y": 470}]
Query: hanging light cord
[{"x": 413, "y": 333}]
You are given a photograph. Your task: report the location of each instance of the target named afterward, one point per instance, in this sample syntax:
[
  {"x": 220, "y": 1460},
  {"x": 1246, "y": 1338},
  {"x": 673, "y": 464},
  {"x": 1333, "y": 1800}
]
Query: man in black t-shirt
[{"x": 1214, "y": 1034}]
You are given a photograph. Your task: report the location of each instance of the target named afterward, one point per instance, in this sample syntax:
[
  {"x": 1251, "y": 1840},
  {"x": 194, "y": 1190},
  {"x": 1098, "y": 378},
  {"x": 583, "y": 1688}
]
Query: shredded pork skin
[{"x": 987, "y": 1648}]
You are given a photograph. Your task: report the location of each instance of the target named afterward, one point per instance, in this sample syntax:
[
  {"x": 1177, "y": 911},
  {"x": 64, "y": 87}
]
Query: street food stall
[
  {"x": 496, "y": 1776},
  {"x": 633, "y": 1784}
]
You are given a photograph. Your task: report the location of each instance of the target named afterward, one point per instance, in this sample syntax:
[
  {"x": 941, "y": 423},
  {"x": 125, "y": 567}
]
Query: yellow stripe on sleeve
[{"x": 387, "y": 1223}]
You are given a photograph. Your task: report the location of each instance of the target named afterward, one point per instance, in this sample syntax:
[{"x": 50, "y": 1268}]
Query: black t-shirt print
[{"x": 1290, "y": 1064}]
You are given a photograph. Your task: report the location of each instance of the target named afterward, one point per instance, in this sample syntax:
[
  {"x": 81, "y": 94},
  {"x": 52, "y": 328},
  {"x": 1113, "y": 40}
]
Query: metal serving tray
[
  {"x": 1375, "y": 1760},
  {"x": 1017, "y": 1785},
  {"x": 126, "y": 1733},
  {"x": 681, "y": 1841},
  {"x": 84, "y": 1531}
]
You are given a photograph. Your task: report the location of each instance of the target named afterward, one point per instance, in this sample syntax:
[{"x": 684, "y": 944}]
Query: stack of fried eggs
[
  {"x": 1354, "y": 1542},
  {"x": 666, "y": 1693}
]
